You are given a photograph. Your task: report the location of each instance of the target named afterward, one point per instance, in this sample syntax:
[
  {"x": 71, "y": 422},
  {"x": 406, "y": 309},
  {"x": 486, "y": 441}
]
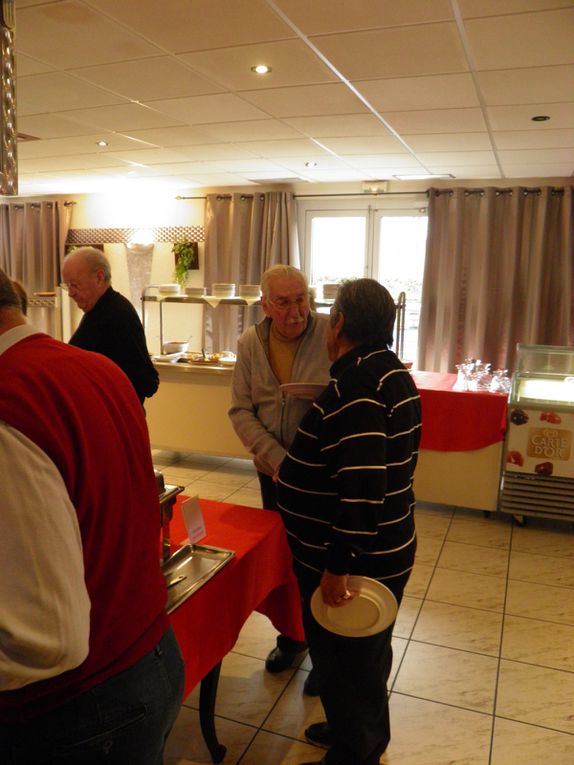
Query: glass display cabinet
[{"x": 538, "y": 470}]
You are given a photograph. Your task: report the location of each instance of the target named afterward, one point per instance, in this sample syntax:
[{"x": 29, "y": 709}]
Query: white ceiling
[{"x": 367, "y": 89}]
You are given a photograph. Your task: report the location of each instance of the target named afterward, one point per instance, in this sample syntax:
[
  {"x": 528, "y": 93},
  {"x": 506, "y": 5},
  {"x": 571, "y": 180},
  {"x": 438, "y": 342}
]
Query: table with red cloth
[
  {"x": 258, "y": 578},
  {"x": 461, "y": 443}
]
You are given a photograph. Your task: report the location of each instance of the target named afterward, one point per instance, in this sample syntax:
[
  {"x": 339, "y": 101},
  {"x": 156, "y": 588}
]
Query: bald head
[{"x": 87, "y": 275}]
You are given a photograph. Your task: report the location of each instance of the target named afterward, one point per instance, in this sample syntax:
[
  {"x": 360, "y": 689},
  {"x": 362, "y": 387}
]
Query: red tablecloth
[
  {"x": 457, "y": 421},
  {"x": 259, "y": 578}
]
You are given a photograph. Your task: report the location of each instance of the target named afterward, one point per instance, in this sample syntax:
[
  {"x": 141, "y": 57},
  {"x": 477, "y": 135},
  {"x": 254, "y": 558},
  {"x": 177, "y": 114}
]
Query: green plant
[{"x": 186, "y": 257}]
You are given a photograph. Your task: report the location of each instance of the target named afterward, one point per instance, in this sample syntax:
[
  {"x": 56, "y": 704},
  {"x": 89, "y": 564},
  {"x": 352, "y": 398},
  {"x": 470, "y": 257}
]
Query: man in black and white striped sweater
[{"x": 346, "y": 498}]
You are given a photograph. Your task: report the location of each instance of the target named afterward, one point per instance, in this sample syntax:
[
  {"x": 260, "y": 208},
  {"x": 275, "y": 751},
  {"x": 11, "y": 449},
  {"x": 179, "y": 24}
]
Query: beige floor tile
[
  {"x": 184, "y": 475},
  {"x": 475, "y": 559},
  {"x": 427, "y": 733},
  {"x": 488, "y": 532},
  {"x": 540, "y": 601},
  {"x": 419, "y": 580},
  {"x": 539, "y": 642},
  {"x": 428, "y": 549},
  {"x": 209, "y": 461},
  {"x": 468, "y": 629},
  {"x": 185, "y": 745},
  {"x": 399, "y": 649},
  {"x": 236, "y": 464},
  {"x": 270, "y": 749},
  {"x": 207, "y": 489},
  {"x": 294, "y": 711},
  {"x": 257, "y": 637},
  {"x": 542, "y": 569},
  {"x": 544, "y": 541},
  {"x": 407, "y": 616},
  {"x": 461, "y": 588},
  {"x": 431, "y": 524},
  {"x": 449, "y": 676},
  {"x": 163, "y": 457},
  {"x": 246, "y": 496},
  {"x": 515, "y": 742},
  {"x": 536, "y": 695},
  {"x": 233, "y": 479},
  {"x": 246, "y": 692}
]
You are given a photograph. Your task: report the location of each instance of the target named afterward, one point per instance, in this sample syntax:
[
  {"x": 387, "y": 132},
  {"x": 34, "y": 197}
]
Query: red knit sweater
[{"x": 82, "y": 411}]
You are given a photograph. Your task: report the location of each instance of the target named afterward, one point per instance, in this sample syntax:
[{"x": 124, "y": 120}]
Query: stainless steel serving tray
[{"x": 190, "y": 568}]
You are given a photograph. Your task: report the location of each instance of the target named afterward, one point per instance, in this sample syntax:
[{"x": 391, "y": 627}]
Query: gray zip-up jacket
[{"x": 264, "y": 420}]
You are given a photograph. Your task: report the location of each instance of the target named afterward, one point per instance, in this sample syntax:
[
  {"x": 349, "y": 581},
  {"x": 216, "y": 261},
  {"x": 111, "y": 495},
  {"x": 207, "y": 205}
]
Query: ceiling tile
[
  {"x": 73, "y": 162},
  {"x": 149, "y": 78},
  {"x": 399, "y": 52},
  {"x": 527, "y": 86},
  {"x": 268, "y": 129},
  {"x": 183, "y": 26},
  {"x": 217, "y": 108},
  {"x": 59, "y": 147},
  {"x": 450, "y": 142},
  {"x": 306, "y": 100},
  {"x": 183, "y": 135},
  {"x": 26, "y": 65},
  {"x": 538, "y": 156},
  {"x": 326, "y": 16},
  {"x": 520, "y": 117},
  {"x": 437, "y": 121},
  {"x": 522, "y": 40},
  {"x": 534, "y": 139},
  {"x": 471, "y": 8},
  {"x": 328, "y": 176},
  {"x": 121, "y": 118},
  {"x": 338, "y": 125},
  {"x": 57, "y": 91},
  {"x": 291, "y": 62},
  {"x": 384, "y": 143},
  {"x": 415, "y": 93},
  {"x": 467, "y": 172},
  {"x": 90, "y": 37},
  {"x": 223, "y": 151},
  {"x": 528, "y": 170},
  {"x": 457, "y": 158},
  {"x": 385, "y": 161},
  {"x": 51, "y": 126},
  {"x": 298, "y": 147}
]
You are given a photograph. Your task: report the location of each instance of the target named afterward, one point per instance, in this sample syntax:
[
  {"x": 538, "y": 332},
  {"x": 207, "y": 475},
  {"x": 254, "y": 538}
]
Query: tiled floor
[{"x": 483, "y": 647}]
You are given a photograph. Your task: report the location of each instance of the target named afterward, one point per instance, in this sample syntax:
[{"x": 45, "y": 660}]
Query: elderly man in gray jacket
[{"x": 287, "y": 346}]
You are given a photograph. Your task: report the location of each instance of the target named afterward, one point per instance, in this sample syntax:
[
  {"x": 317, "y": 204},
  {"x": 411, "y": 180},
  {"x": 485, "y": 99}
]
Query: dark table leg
[{"x": 207, "y": 696}]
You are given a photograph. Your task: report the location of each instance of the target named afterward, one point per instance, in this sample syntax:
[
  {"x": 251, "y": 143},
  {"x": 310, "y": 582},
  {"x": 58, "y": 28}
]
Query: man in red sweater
[{"x": 89, "y": 668}]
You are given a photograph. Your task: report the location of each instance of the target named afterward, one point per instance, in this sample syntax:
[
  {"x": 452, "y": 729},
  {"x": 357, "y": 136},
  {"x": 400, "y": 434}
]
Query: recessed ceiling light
[
  {"x": 311, "y": 163},
  {"x": 422, "y": 177},
  {"x": 101, "y": 143},
  {"x": 540, "y": 118},
  {"x": 261, "y": 69}
]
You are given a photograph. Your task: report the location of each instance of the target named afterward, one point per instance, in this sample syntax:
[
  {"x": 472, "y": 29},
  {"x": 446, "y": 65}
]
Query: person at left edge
[
  {"x": 90, "y": 671},
  {"x": 110, "y": 325}
]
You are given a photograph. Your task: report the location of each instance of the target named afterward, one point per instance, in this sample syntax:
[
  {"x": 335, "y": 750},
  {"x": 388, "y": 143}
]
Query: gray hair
[
  {"x": 9, "y": 298},
  {"x": 369, "y": 312},
  {"x": 280, "y": 271},
  {"x": 94, "y": 259}
]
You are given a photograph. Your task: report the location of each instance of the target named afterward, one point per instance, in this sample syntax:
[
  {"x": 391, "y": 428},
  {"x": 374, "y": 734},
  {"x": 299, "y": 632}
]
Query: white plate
[
  {"x": 372, "y": 611},
  {"x": 307, "y": 390},
  {"x": 167, "y": 356}
]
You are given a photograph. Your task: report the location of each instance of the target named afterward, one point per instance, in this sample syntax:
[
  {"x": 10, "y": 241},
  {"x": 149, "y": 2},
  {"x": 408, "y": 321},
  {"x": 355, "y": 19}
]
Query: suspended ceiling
[{"x": 365, "y": 89}]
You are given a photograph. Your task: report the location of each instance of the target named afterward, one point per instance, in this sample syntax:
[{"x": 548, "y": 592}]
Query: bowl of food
[
  {"x": 169, "y": 289},
  {"x": 175, "y": 346},
  {"x": 221, "y": 289}
]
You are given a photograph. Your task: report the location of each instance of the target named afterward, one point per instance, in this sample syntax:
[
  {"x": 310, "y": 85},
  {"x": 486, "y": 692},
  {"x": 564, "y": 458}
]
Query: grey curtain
[
  {"x": 499, "y": 270},
  {"x": 32, "y": 241},
  {"x": 244, "y": 235}
]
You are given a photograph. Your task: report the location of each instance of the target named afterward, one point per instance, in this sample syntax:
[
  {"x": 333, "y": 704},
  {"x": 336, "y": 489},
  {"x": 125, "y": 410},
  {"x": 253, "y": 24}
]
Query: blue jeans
[{"x": 123, "y": 721}]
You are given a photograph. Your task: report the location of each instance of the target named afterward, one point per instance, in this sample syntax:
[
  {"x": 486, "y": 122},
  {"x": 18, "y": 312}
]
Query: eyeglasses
[{"x": 283, "y": 304}]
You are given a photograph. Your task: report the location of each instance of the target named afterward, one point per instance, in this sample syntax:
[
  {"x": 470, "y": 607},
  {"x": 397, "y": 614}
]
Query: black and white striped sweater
[{"x": 345, "y": 488}]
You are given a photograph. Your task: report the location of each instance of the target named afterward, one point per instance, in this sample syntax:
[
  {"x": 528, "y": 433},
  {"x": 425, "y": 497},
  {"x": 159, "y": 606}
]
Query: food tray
[{"x": 195, "y": 564}]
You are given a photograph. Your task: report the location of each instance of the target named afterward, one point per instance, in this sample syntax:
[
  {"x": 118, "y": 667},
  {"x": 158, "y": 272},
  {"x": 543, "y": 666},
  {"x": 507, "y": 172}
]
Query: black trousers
[
  {"x": 269, "y": 500},
  {"x": 352, "y": 674}
]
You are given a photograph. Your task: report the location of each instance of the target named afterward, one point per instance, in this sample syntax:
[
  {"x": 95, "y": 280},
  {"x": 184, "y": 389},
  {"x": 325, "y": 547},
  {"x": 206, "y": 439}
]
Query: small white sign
[{"x": 193, "y": 518}]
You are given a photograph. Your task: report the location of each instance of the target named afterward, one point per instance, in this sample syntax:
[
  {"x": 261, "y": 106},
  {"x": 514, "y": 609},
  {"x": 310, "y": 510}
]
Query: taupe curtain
[
  {"x": 32, "y": 240},
  {"x": 499, "y": 270},
  {"x": 244, "y": 235}
]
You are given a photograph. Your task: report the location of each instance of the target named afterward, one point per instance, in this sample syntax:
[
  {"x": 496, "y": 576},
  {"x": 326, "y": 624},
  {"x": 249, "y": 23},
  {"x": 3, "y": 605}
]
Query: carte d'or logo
[{"x": 552, "y": 443}]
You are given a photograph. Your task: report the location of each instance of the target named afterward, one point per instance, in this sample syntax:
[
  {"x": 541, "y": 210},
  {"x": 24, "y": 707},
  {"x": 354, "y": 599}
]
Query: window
[{"x": 385, "y": 240}]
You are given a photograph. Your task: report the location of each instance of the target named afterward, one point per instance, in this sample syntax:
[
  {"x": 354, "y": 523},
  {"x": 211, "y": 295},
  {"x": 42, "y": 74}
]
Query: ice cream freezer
[{"x": 538, "y": 468}]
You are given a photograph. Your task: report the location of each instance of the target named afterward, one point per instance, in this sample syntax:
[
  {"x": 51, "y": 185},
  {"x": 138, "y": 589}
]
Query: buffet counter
[{"x": 462, "y": 435}]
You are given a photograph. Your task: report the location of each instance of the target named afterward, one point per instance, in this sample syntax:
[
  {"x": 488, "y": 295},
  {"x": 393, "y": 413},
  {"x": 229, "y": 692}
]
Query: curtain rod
[
  {"x": 348, "y": 194},
  {"x": 21, "y": 205}
]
